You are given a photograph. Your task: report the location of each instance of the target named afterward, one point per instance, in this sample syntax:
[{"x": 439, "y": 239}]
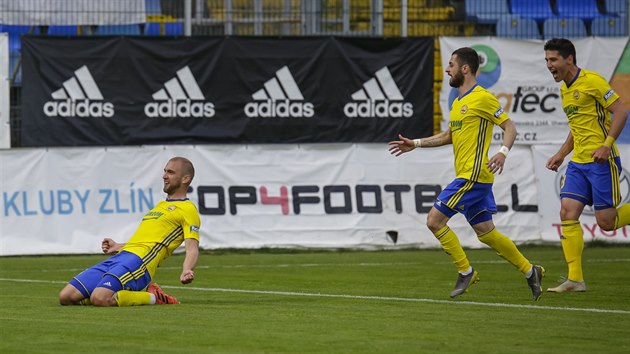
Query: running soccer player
[
  {"x": 592, "y": 176},
  {"x": 121, "y": 279},
  {"x": 472, "y": 118}
]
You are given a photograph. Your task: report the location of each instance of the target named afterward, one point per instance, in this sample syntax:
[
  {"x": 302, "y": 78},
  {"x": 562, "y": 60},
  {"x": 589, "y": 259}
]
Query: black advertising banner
[{"x": 200, "y": 90}]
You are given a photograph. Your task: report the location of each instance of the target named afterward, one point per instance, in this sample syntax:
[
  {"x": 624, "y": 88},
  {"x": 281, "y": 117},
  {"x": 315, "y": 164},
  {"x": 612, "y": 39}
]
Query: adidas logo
[
  {"x": 79, "y": 97},
  {"x": 180, "y": 97},
  {"x": 108, "y": 284},
  {"x": 280, "y": 97},
  {"x": 379, "y": 97}
]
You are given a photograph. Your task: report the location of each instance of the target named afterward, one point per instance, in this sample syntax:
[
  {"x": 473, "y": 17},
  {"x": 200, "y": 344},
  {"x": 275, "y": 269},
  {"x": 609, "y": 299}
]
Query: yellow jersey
[
  {"x": 162, "y": 230},
  {"x": 584, "y": 101},
  {"x": 473, "y": 117}
]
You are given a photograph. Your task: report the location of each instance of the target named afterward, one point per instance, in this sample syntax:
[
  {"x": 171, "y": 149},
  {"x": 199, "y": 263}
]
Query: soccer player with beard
[
  {"x": 121, "y": 279},
  {"x": 474, "y": 114},
  {"x": 592, "y": 175}
]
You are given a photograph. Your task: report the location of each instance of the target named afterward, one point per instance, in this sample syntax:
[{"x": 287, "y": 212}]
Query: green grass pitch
[{"x": 327, "y": 302}]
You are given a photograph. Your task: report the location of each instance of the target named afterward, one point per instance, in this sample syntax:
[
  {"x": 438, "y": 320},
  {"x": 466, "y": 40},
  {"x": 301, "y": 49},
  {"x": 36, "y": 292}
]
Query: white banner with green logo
[{"x": 515, "y": 72}]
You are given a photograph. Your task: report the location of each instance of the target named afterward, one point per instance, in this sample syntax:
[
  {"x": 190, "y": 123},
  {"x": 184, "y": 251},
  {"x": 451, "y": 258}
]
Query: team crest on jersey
[
  {"x": 576, "y": 94},
  {"x": 464, "y": 109},
  {"x": 171, "y": 207}
]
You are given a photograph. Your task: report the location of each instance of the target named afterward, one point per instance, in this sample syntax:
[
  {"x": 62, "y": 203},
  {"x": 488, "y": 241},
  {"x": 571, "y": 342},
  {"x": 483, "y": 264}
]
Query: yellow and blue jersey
[
  {"x": 473, "y": 117},
  {"x": 585, "y": 101},
  {"x": 162, "y": 230}
]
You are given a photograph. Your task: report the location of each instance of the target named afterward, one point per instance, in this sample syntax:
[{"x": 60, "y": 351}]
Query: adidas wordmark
[
  {"x": 181, "y": 97},
  {"x": 280, "y": 97},
  {"x": 379, "y": 97},
  {"x": 79, "y": 97}
]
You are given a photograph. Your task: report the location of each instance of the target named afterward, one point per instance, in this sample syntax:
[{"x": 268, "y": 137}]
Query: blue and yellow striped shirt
[
  {"x": 473, "y": 117},
  {"x": 584, "y": 101},
  {"x": 162, "y": 230}
]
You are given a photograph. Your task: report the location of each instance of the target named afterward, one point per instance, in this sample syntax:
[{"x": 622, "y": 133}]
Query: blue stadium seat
[
  {"x": 153, "y": 7},
  {"x": 539, "y": 10},
  {"x": 610, "y": 27},
  {"x": 585, "y": 9},
  {"x": 152, "y": 29},
  {"x": 164, "y": 29},
  {"x": 617, "y": 7},
  {"x": 518, "y": 28},
  {"x": 63, "y": 31},
  {"x": 486, "y": 11},
  {"x": 564, "y": 28},
  {"x": 15, "y": 32},
  {"x": 118, "y": 30}
]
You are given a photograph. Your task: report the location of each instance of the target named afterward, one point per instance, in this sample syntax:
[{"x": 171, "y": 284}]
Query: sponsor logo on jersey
[
  {"x": 152, "y": 215},
  {"x": 79, "y": 96},
  {"x": 181, "y": 97},
  {"x": 455, "y": 125},
  {"x": 280, "y": 97},
  {"x": 379, "y": 97},
  {"x": 498, "y": 112}
]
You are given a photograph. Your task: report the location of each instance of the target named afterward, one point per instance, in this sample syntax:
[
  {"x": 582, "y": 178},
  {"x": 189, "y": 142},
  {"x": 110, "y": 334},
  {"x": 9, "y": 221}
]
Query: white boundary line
[
  {"x": 359, "y": 297},
  {"x": 312, "y": 265}
]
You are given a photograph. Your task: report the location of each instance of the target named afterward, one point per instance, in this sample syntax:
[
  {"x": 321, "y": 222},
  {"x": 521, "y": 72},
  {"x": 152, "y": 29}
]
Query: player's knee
[
  {"x": 104, "y": 300},
  {"x": 67, "y": 297},
  {"x": 434, "y": 224},
  {"x": 606, "y": 225},
  {"x": 65, "y": 300},
  {"x": 564, "y": 213}
]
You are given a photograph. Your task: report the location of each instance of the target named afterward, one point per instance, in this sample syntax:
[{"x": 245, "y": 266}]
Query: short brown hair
[{"x": 468, "y": 56}]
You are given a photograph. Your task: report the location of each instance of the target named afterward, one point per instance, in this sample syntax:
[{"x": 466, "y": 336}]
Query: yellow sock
[
  {"x": 572, "y": 245},
  {"x": 132, "y": 298},
  {"x": 506, "y": 249},
  {"x": 450, "y": 245},
  {"x": 623, "y": 216},
  {"x": 85, "y": 302}
]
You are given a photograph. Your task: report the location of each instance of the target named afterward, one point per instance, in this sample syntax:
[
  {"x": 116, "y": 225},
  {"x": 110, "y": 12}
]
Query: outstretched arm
[
  {"x": 399, "y": 147},
  {"x": 110, "y": 246},
  {"x": 192, "y": 253}
]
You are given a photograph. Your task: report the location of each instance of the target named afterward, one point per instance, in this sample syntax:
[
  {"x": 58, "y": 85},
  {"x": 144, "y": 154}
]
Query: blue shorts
[
  {"x": 123, "y": 271},
  {"x": 474, "y": 200},
  {"x": 595, "y": 184}
]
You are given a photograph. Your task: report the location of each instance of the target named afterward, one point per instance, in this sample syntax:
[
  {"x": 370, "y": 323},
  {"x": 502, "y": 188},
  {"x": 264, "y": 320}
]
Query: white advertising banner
[
  {"x": 65, "y": 200},
  {"x": 549, "y": 198},
  {"x": 515, "y": 71},
  {"x": 5, "y": 128},
  {"x": 71, "y": 12}
]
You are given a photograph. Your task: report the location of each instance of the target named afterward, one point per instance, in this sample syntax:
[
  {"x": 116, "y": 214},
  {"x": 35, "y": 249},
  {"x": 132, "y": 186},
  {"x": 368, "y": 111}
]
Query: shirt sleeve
[
  {"x": 191, "y": 223},
  {"x": 602, "y": 92},
  {"x": 493, "y": 110}
]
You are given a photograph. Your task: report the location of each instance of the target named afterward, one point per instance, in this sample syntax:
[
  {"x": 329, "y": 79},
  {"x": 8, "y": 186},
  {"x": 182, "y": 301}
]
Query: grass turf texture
[{"x": 327, "y": 302}]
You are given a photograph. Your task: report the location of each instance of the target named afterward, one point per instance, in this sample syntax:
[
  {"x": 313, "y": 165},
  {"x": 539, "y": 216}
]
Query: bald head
[{"x": 187, "y": 167}]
